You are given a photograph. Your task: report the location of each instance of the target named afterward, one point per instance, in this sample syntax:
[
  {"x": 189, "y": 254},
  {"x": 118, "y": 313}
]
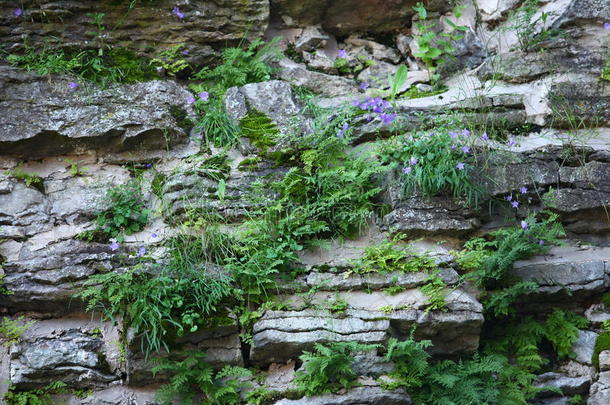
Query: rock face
[
  {"x": 347, "y": 16},
  {"x": 543, "y": 99},
  {"x": 204, "y": 27},
  {"x": 361, "y": 396},
  {"x": 42, "y": 118}
]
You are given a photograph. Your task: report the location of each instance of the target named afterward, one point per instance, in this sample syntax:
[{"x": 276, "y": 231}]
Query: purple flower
[
  {"x": 465, "y": 149},
  {"x": 342, "y": 53},
  {"x": 141, "y": 251},
  {"x": 606, "y": 25},
  {"x": 485, "y": 137},
  {"x": 190, "y": 100},
  {"x": 413, "y": 161},
  {"x": 509, "y": 198},
  {"x": 18, "y": 12},
  {"x": 460, "y": 166},
  {"x": 511, "y": 141},
  {"x": 515, "y": 204},
  {"x": 407, "y": 170},
  {"x": 387, "y": 118},
  {"x": 465, "y": 132},
  {"x": 344, "y": 128},
  {"x": 204, "y": 95},
  {"x": 364, "y": 85},
  {"x": 523, "y": 190},
  {"x": 114, "y": 246},
  {"x": 154, "y": 235},
  {"x": 148, "y": 165},
  {"x": 73, "y": 85},
  {"x": 356, "y": 103},
  {"x": 541, "y": 242},
  {"x": 524, "y": 225},
  {"x": 453, "y": 146},
  {"x": 176, "y": 11},
  {"x": 452, "y": 134},
  {"x": 185, "y": 52}
]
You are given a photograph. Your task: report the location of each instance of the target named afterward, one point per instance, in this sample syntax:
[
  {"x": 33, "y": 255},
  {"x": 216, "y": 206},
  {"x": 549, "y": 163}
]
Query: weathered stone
[
  {"x": 348, "y": 16},
  {"x": 273, "y": 98},
  {"x": 221, "y": 345},
  {"x": 567, "y": 385},
  {"x": 377, "y": 76},
  {"x": 579, "y": 271},
  {"x": 311, "y": 38},
  {"x": 377, "y": 51},
  {"x": 73, "y": 357},
  {"x": 47, "y": 280},
  {"x": 146, "y": 28},
  {"x": 319, "y": 83},
  {"x": 43, "y": 117},
  {"x": 604, "y": 360},
  {"x": 599, "y": 394},
  {"x": 368, "y": 318},
  {"x": 583, "y": 100},
  {"x": 584, "y": 346},
  {"x": 355, "y": 396}
]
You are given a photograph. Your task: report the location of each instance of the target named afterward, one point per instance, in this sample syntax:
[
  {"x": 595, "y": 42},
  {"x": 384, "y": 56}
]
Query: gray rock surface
[
  {"x": 44, "y": 117},
  {"x": 74, "y": 357},
  {"x": 355, "y": 396},
  {"x": 319, "y": 83},
  {"x": 585, "y": 346},
  {"x": 221, "y": 345},
  {"x": 567, "y": 385},
  {"x": 273, "y": 98},
  {"x": 146, "y": 28},
  {"x": 581, "y": 271}
]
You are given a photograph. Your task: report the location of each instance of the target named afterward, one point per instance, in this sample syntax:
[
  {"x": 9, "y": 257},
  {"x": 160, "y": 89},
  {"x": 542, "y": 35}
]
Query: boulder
[
  {"x": 45, "y": 117},
  {"x": 567, "y": 385}
]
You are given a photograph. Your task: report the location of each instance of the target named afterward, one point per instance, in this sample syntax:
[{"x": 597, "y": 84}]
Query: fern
[
  {"x": 329, "y": 368},
  {"x": 410, "y": 360},
  {"x": 193, "y": 381}
]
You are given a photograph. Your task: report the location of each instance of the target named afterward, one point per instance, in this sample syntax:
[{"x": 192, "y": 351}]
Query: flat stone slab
[{"x": 355, "y": 396}]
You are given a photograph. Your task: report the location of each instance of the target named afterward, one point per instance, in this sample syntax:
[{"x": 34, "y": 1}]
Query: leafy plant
[
  {"x": 41, "y": 396},
  {"x": 12, "y": 329},
  {"x": 338, "y": 306},
  {"x": 126, "y": 213},
  {"x": 434, "y": 163},
  {"x": 30, "y": 179},
  {"x": 181, "y": 298},
  {"x": 239, "y": 67},
  {"x": 529, "y": 28},
  {"x": 411, "y": 362},
  {"x": 75, "y": 169},
  {"x": 397, "y": 81},
  {"x": 193, "y": 381},
  {"x": 434, "y": 48},
  {"x": 386, "y": 257},
  {"x": 170, "y": 61},
  {"x": 329, "y": 368},
  {"x": 494, "y": 259}
]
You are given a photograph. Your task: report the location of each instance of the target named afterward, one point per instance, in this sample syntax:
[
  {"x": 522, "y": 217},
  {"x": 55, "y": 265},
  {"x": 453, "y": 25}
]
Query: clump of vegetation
[
  {"x": 329, "y": 368},
  {"x": 530, "y": 29},
  {"x": 164, "y": 301},
  {"x": 435, "y": 162},
  {"x": 30, "y": 179},
  {"x": 239, "y": 67},
  {"x": 433, "y": 48},
  {"x": 126, "y": 213},
  {"x": 385, "y": 257},
  {"x": 491, "y": 260},
  {"x": 193, "y": 381},
  {"x": 41, "y": 396},
  {"x": 11, "y": 330},
  {"x": 170, "y": 61}
]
